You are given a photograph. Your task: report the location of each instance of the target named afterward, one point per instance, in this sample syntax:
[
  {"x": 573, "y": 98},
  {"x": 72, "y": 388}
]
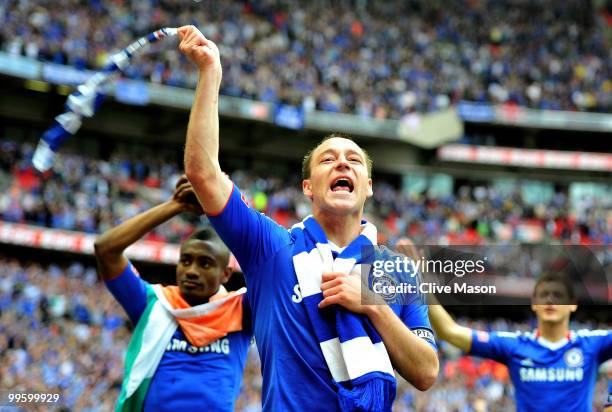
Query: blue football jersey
[
  {"x": 295, "y": 374},
  {"x": 188, "y": 378},
  {"x": 548, "y": 376}
]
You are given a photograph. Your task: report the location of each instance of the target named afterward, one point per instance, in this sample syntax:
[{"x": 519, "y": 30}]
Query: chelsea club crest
[{"x": 573, "y": 358}]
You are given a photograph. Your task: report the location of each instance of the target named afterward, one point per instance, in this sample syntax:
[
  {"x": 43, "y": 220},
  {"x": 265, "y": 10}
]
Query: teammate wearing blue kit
[
  {"x": 190, "y": 342},
  {"x": 552, "y": 368},
  {"x": 297, "y": 374}
]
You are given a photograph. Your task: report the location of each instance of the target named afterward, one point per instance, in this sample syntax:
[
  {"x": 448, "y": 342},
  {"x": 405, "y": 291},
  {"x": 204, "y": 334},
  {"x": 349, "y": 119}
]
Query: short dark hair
[
  {"x": 308, "y": 158},
  {"x": 564, "y": 280},
  {"x": 205, "y": 234},
  {"x": 208, "y": 234}
]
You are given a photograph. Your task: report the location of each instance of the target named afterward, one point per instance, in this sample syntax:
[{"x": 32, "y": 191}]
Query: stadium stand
[
  {"x": 373, "y": 59},
  {"x": 352, "y": 63},
  {"x": 90, "y": 195},
  {"x": 50, "y": 312}
]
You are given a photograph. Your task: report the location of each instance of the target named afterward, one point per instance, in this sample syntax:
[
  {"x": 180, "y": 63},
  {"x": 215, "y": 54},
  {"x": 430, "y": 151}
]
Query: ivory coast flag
[{"x": 164, "y": 311}]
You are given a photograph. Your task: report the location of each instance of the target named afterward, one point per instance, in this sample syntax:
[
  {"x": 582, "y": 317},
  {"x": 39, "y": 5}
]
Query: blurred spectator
[
  {"x": 46, "y": 345},
  {"x": 91, "y": 195},
  {"x": 372, "y": 59}
]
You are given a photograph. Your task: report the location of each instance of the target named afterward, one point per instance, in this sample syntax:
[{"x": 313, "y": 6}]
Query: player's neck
[
  {"x": 339, "y": 229},
  {"x": 195, "y": 301},
  {"x": 553, "y": 331}
]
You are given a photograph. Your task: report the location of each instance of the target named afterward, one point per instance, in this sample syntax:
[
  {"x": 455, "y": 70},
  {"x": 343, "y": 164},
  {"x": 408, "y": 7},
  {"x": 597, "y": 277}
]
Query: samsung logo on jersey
[
  {"x": 551, "y": 374},
  {"x": 218, "y": 346}
]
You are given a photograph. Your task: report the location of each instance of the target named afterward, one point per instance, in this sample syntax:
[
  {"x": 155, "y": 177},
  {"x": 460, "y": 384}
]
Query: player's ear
[
  {"x": 307, "y": 188},
  {"x": 370, "y": 192},
  {"x": 227, "y": 274}
]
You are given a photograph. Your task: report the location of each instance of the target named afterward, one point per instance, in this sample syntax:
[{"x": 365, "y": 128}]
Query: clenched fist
[
  {"x": 201, "y": 51},
  {"x": 185, "y": 196}
]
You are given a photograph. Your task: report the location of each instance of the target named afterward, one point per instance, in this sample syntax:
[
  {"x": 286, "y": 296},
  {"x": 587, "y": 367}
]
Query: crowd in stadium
[
  {"x": 373, "y": 59},
  {"x": 92, "y": 195},
  {"x": 49, "y": 314},
  {"x": 61, "y": 330}
]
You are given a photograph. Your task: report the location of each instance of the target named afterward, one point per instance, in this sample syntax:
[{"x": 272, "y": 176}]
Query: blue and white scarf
[
  {"x": 352, "y": 348},
  {"x": 87, "y": 98}
]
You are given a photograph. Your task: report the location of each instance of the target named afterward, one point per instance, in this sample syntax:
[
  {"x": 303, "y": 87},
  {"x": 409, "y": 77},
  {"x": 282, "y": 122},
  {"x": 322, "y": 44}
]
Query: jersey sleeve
[
  {"x": 250, "y": 235},
  {"x": 416, "y": 317},
  {"x": 605, "y": 345},
  {"x": 413, "y": 311},
  {"x": 130, "y": 291},
  {"x": 599, "y": 342},
  {"x": 498, "y": 346}
]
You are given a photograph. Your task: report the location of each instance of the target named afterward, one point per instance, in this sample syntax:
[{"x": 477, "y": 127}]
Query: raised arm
[
  {"x": 446, "y": 328},
  {"x": 211, "y": 185},
  {"x": 110, "y": 245},
  {"x": 443, "y": 324}
]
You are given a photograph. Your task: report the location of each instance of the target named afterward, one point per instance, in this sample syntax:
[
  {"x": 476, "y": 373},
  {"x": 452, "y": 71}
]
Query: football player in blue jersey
[
  {"x": 301, "y": 368},
  {"x": 552, "y": 368},
  {"x": 190, "y": 341}
]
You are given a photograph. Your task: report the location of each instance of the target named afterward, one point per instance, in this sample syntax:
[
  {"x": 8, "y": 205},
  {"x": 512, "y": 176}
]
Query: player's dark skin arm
[{"x": 110, "y": 245}]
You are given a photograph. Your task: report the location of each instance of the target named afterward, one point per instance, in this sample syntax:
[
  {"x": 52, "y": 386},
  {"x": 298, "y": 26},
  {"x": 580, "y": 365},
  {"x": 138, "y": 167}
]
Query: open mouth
[{"x": 342, "y": 184}]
